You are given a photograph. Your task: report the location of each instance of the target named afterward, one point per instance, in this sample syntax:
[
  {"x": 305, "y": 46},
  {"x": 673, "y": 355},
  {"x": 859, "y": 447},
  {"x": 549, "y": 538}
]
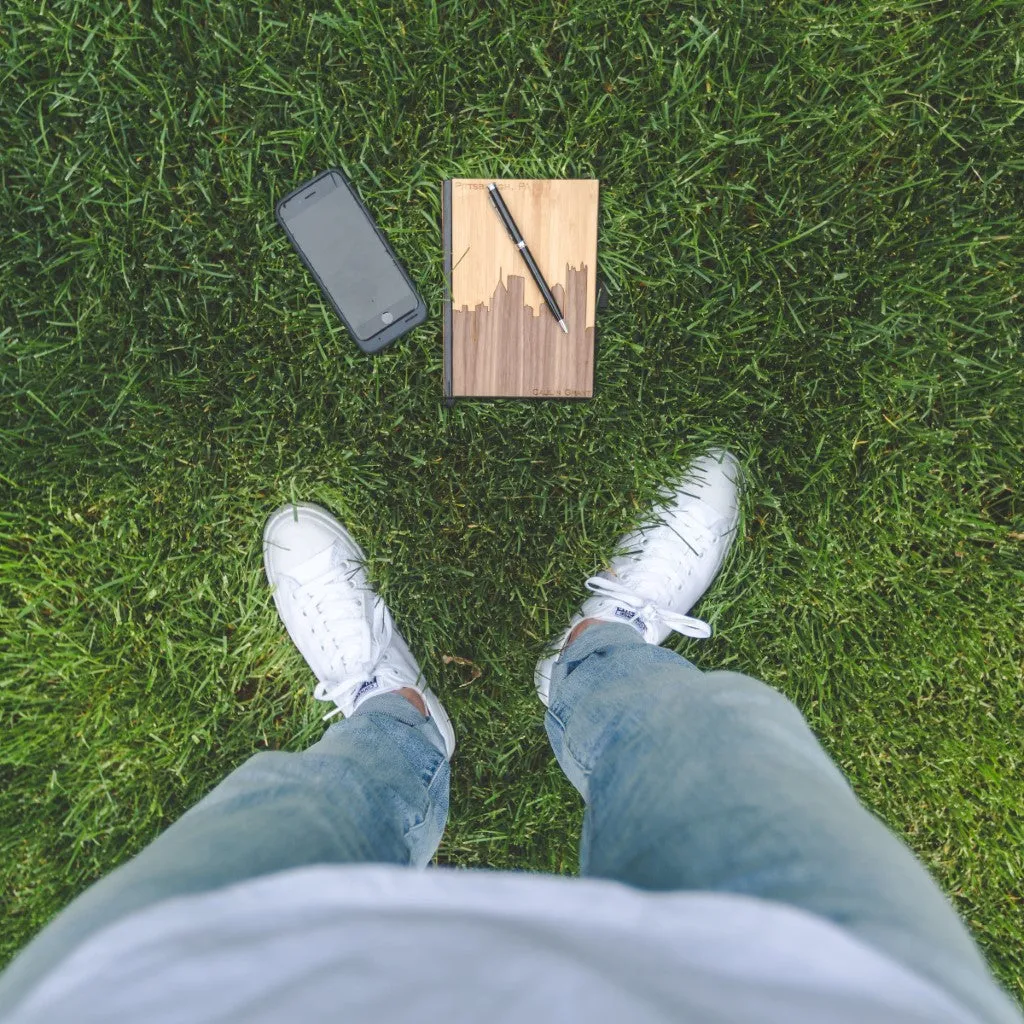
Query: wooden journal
[{"x": 500, "y": 337}]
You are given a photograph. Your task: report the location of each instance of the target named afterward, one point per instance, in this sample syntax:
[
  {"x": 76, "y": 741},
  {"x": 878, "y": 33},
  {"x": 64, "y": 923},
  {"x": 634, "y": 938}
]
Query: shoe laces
[
  {"x": 658, "y": 572},
  {"x": 647, "y": 611},
  {"x": 338, "y": 623}
]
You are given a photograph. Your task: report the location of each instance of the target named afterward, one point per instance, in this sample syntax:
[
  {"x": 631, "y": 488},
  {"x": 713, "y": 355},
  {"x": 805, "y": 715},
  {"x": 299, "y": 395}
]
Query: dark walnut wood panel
[{"x": 508, "y": 348}]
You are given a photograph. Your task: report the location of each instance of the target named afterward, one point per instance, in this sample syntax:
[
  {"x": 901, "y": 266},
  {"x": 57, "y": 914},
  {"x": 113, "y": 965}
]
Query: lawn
[{"x": 812, "y": 237}]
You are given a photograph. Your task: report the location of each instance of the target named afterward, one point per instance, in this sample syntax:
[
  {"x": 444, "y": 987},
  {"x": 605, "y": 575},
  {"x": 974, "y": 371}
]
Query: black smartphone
[{"x": 348, "y": 255}]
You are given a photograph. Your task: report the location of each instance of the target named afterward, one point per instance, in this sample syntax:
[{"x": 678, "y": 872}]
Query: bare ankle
[
  {"x": 579, "y": 629},
  {"x": 414, "y": 698}
]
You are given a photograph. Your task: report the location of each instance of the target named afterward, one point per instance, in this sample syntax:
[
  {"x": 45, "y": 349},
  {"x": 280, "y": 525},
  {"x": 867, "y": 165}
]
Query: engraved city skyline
[{"x": 506, "y": 347}]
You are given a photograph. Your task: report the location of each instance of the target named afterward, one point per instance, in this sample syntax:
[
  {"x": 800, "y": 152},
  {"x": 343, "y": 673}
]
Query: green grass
[{"x": 811, "y": 232}]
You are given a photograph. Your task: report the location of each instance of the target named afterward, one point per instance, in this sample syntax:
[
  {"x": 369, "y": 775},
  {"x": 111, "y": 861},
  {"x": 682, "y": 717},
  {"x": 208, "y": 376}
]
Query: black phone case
[{"x": 392, "y": 331}]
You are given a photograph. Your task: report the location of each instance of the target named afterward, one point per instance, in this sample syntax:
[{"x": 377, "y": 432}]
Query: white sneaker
[
  {"x": 661, "y": 569},
  {"x": 339, "y": 624}
]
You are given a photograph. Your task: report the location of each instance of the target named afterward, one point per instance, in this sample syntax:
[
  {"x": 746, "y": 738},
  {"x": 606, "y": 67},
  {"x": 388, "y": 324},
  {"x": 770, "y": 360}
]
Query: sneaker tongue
[
  {"x": 313, "y": 567},
  {"x": 357, "y": 658},
  {"x": 631, "y": 618},
  {"x": 611, "y": 609},
  {"x": 370, "y": 688}
]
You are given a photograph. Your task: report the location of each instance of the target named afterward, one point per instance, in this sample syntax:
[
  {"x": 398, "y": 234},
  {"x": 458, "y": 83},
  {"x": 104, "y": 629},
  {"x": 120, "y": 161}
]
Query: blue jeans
[{"x": 692, "y": 780}]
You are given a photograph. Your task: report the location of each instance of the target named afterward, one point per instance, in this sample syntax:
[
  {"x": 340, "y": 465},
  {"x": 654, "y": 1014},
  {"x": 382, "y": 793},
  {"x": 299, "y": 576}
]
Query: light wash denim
[
  {"x": 692, "y": 780},
  {"x": 373, "y": 788}
]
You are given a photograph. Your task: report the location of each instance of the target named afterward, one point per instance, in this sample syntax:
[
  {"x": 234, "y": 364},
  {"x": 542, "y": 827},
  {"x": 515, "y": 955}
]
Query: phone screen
[{"x": 357, "y": 270}]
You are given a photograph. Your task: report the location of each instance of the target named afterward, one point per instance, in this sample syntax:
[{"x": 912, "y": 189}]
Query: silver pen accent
[{"x": 524, "y": 251}]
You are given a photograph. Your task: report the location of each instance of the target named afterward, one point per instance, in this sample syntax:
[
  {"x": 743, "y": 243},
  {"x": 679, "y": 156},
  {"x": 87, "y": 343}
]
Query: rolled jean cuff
[
  {"x": 601, "y": 634},
  {"x": 394, "y": 705}
]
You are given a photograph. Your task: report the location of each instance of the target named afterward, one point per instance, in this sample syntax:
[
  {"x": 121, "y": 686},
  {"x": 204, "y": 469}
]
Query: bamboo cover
[{"x": 500, "y": 338}]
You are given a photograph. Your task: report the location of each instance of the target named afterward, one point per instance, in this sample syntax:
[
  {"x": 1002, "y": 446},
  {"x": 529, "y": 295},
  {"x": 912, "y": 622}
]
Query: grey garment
[
  {"x": 392, "y": 945},
  {"x": 693, "y": 781}
]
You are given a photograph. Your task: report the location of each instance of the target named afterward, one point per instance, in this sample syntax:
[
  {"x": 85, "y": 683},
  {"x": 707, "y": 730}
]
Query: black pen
[{"x": 510, "y": 226}]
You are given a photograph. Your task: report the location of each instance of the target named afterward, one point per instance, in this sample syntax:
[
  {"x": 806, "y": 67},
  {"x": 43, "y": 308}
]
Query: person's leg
[
  {"x": 374, "y": 788},
  {"x": 714, "y": 782}
]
